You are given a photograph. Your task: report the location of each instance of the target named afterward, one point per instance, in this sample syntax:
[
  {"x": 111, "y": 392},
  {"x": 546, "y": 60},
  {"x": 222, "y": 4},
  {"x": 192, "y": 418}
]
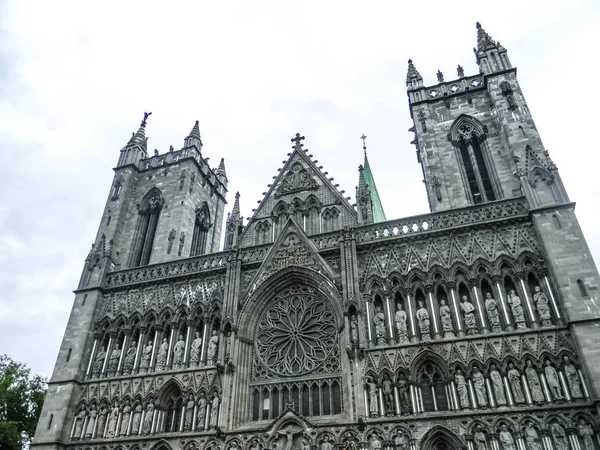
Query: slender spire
[
  {"x": 484, "y": 40},
  {"x": 235, "y": 212},
  {"x": 413, "y": 75},
  {"x": 194, "y": 137},
  {"x": 140, "y": 136},
  {"x": 378, "y": 213},
  {"x": 221, "y": 172}
]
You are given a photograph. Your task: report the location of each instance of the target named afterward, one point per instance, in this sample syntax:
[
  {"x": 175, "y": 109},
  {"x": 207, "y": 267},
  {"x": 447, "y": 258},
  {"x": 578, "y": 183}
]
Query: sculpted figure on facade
[
  {"x": 401, "y": 441},
  {"x": 189, "y": 414},
  {"x": 572, "y": 376},
  {"x": 497, "y": 385},
  {"x": 213, "y": 345},
  {"x": 228, "y": 345},
  {"x": 373, "y": 397},
  {"x": 533, "y": 380},
  {"x": 446, "y": 319},
  {"x": 162, "y": 354},
  {"x": 214, "y": 411},
  {"x": 532, "y": 439},
  {"x": 129, "y": 359},
  {"x": 288, "y": 435},
  {"x": 148, "y": 416},
  {"x": 125, "y": 419},
  {"x": 136, "y": 420},
  {"x": 379, "y": 319},
  {"x": 553, "y": 381},
  {"x": 99, "y": 362},
  {"x": 587, "y": 434},
  {"x": 201, "y": 418},
  {"x": 479, "y": 387},
  {"x": 113, "y": 361},
  {"x": 401, "y": 328},
  {"x": 388, "y": 394},
  {"x": 89, "y": 427},
  {"x": 326, "y": 444},
  {"x": 422, "y": 316},
  {"x": 543, "y": 307},
  {"x": 492, "y": 312},
  {"x": 112, "y": 421},
  {"x": 469, "y": 315},
  {"x": 514, "y": 379},
  {"x": 354, "y": 330},
  {"x": 195, "y": 350},
  {"x": 79, "y": 419},
  {"x": 461, "y": 388},
  {"x": 376, "y": 443},
  {"x": 517, "y": 310},
  {"x": 146, "y": 357},
  {"x": 559, "y": 437},
  {"x": 178, "y": 353},
  {"x": 101, "y": 421},
  {"x": 404, "y": 394},
  {"x": 507, "y": 441},
  {"x": 479, "y": 438}
]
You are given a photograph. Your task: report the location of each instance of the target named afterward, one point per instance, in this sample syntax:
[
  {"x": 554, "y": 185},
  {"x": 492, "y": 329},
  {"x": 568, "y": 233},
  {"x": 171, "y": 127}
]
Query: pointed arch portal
[{"x": 440, "y": 438}]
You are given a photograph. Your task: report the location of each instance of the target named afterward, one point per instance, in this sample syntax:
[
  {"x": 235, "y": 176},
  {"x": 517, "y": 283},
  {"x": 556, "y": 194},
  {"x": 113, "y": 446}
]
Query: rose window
[{"x": 297, "y": 333}]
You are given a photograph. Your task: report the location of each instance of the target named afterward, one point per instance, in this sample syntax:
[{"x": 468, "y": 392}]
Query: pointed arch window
[
  {"x": 146, "y": 229},
  {"x": 468, "y": 136},
  {"x": 201, "y": 226},
  {"x": 173, "y": 405},
  {"x": 432, "y": 387}
]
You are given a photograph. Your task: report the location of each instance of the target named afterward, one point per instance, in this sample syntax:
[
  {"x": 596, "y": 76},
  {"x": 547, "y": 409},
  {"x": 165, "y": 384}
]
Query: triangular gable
[
  {"x": 299, "y": 174},
  {"x": 288, "y": 416},
  {"x": 292, "y": 248}
]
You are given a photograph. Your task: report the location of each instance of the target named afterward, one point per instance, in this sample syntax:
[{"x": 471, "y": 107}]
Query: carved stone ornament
[
  {"x": 296, "y": 333},
  {"x": 296, "y": 179}
]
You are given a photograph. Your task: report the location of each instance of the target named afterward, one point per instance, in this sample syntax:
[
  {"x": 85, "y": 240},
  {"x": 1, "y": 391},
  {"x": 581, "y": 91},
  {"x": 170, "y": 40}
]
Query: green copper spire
[{"x": 378, "y": 213}]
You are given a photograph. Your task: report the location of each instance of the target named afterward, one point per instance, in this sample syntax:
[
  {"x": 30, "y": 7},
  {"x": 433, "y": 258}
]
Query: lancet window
[
  {"x": 149, "y": 212},
  {"x": 201, "y": 226}
]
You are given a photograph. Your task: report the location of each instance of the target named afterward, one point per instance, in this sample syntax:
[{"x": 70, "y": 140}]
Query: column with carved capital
[
  {"x": 97, "y": 337},
  {"x": 555, "y": 309},
  {"x": 369, "y": 313},
  {"x": 454, "y": 307},
  {"x": 528, "y": 300},
  {"x": 126, "y": 340},
  {"x": 140, "y": 346},
  {"x": 157, "y": 335},
  {"x": 573, "y": 438},
  {"x": 474, "y": 285},
  {"x": 433, "y": 312},
  {"x": 503, "y": 303},
  {"x": 390, "y": 317},
  {"x": 188, "y": 342},
  {"x": 109, "y": 349},
  {"x": 410, "y": 312}
]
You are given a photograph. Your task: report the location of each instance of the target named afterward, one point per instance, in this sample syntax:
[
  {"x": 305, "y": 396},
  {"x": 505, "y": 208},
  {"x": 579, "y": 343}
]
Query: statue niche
[{"x": 296, "y": 179}]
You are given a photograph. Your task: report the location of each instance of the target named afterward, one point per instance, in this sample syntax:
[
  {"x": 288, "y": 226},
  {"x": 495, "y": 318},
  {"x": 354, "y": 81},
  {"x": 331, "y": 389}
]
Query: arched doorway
[{"x": 440, "y": 438}]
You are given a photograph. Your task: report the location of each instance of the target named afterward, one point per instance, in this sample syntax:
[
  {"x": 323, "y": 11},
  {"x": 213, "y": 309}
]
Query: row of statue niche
[
  {"x": 161, "y": 355},
  {"x": 515, "y": 382},
  {"x": 468, "y": 315},
  {"x": 531, "y": 436},
  {"x": 387, "y": 389},
  {"x": 104, "y": 423},
  {"x": 291, "y": 438}
]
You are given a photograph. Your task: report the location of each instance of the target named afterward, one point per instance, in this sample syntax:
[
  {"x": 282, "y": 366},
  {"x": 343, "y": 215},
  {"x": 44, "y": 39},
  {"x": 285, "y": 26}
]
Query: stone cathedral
[{"x": 321, "y": 325}]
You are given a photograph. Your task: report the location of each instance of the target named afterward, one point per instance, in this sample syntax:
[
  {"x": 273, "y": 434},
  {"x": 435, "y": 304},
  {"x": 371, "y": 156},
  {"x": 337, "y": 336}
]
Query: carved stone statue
[
  {"x": 469, "y": 315},
  {"x": 401, "y": 441},
  {"x": 572, "y": 376},
  {"x": 189, "y": 414},
  {"x": 533, "y": 380},
  {"x": 214, "y": 411},
  {"x": 479, "y": 388},
  {"x": 493, "y": 315},
  {"x": 373, "y": 397},
  {"x": 326, "y": 444},
  {"x": 113, "y": 361},
  {"x": 288, "y": 438},
  {"x": 586, "y": 433},
  {"x": 162, "y": 354},
  {"x": 178, "y": 353},
  {"x": 112, "y": 421},
  {"x": 146, "y": 357},
  {"x": 403, "y": 394},
  {"x": 354, "y": 330},
  {"x": 101, "y": 421},
  {"x": 201, "y": 418},
  {"x": 516, "y": 308},
  {"x": 89, "y": 427},
  {"x": 497, "y": 385},
  {"x": 125, "y": 419},
  {"x": 400, "y": 320},
  {"x": 507, "y": 441},
  {"x": 129, "y": 358},
  {"x": 542, "y": 306},
  {"x": 553, "y": 380},
  {"x": 79, "y": 419},
  {"x": 136, "y": 420},
  {"x": 462, "y": 390},
  {"x": 479, "y": 438},
  {"x": 195, "y": 350},
  {"x": 379, "y": 319},
  {"x": 446, "y": 319},
  {"x": 228, "y": 345},
  {"x": 559, "y": 437},
  {"x": 211, "y": 353},
  {"x": 388, "y": 394},
  {"x": 375, "y": 443},
  {"x": 532, "y": 439},
  {"x": 514, "y": 379},
  {"x": 422, "y": 316},
  {"x": 99, "y": 362},
  {"x": 148, "y": 416}
]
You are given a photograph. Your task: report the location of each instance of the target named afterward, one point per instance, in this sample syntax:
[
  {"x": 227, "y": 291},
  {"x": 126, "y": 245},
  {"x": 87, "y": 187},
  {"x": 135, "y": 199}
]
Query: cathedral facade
[{"x": 321, "y": 325}]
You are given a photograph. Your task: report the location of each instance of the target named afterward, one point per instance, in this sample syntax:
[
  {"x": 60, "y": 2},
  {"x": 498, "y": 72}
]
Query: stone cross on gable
[{"x": 297, "y": 142}]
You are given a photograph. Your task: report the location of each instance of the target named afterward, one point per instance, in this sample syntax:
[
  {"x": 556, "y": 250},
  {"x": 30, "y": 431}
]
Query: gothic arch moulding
[
  {"x": 466, "y": 127},
  {"x": 440, "y": 438}
]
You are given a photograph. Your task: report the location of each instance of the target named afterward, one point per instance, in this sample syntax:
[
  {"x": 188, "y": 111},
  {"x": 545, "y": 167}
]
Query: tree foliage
[{"x": 21, "y": 398}]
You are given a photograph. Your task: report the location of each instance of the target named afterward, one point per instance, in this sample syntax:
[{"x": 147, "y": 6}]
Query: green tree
[{"x": 21, "y": 399}]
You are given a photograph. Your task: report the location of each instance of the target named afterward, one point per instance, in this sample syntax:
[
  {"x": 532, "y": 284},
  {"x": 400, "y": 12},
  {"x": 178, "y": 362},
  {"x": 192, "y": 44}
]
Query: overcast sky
[{"x": 76, "y": 77}]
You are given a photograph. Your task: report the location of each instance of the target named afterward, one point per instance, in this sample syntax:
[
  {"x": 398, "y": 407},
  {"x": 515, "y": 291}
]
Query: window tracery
[
  {"x": 202, "y": 224},
  {"x": 149, "y": 213}
]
